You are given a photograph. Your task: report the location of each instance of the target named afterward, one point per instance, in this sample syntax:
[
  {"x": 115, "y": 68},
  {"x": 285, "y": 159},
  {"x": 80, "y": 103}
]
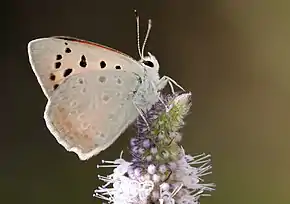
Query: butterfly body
[{"x": 94, "y": 93}]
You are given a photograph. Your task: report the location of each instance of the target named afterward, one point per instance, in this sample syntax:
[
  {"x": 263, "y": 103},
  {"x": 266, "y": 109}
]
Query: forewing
[
  {"x": 56, "y": 58},
  {"x": 90, "y": 110}
]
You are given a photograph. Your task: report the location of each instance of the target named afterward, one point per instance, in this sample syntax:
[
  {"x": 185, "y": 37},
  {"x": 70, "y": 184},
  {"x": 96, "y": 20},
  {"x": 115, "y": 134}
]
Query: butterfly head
[
  {"x": 151, "y": 67},
  {"x": 150, "y": 62}
]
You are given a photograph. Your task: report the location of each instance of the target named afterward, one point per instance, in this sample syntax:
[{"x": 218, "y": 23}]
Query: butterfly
[{"x": 94, "y": 92}]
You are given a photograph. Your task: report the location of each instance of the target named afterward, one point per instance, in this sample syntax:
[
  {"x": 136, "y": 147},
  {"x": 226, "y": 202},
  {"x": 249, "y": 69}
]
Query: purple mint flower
[{"x": 160, "y": 171}]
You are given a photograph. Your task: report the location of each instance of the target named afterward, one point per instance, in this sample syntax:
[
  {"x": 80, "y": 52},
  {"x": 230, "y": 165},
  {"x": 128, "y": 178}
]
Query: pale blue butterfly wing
[
  {"x": 56, "y": 58},
  {"x": 90, "y": 110},
  {"x": 89, "y": 89}
]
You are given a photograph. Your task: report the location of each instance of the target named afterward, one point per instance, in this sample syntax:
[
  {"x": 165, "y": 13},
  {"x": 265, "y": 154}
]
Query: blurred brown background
[{"x": 233, "y": 56}]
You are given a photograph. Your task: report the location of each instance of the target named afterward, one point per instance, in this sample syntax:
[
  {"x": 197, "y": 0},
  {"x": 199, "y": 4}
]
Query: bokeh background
[{"x": 234, "y": 55}]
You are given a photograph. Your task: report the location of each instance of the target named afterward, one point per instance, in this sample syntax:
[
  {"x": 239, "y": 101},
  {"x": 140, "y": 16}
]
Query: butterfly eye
[{"x": 148, "y": 63}]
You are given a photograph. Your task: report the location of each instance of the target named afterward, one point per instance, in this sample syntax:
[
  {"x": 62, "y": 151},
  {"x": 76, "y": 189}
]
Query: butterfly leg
[
  {"x": 141, "y": 114},
  {"x": 166, "y": 79},
  {"x": 162, "y": 83},
  {"x": 159, "y": 98}
]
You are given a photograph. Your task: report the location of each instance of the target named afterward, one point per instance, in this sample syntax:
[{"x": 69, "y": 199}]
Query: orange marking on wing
[
  {"x": 93, "y": 44},
  {"x": 67, "y": 124}
]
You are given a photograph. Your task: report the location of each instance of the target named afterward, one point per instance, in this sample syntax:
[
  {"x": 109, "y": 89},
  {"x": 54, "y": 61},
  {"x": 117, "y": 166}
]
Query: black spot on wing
[
  {"x": 57, "y": 65},
  {"x": 68, "y": 50},
  {"x": 103, "y": 64},
  {"x": 55, "y": 86},
  {"x": 58, "y": 57},
  {"x": 67, "y": 72},
  {"x": 52, "y": 77},
  {"x": 83, "y": 62}
]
